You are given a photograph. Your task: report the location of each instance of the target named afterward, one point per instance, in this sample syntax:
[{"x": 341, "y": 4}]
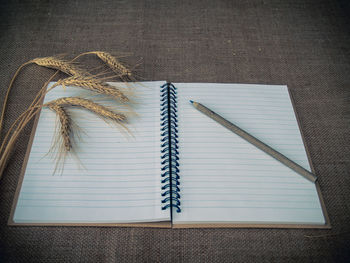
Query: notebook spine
[{"x": 169, "y": 148}]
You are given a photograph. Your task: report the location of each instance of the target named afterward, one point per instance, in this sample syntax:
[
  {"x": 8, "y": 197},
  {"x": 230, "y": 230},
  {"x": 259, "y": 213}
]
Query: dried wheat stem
[
  {"x": 23, "y": 120},
  {"x": 89, "y": 105},
  {"x": 19, "y": 120},
  {"x": 11, "y": 143},
  {"x": 6, "y": 155},
  {"x": 65, "y": 122},
  {"x": 34, "y": 105},
  {"x": 7, "y": 95},
  {"x": 93, "y": 84}
]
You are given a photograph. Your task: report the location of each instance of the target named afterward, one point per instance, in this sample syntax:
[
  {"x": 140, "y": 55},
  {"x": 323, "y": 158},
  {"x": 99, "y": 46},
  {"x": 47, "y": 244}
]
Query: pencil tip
[{"x": 191, "y": 101}]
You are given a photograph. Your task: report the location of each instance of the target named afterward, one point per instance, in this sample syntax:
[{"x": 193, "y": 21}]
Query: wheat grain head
[
  {"x": 89, "y": 105},
  {"x": 93, "y": 84},
  {"x": 113, "y": 63},
  {"x": 59, "y": 64},
  {"x": 65, "y": 122}
]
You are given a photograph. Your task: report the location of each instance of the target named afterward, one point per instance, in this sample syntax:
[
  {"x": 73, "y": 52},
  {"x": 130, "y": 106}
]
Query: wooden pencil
[{"x": 256, "y": 142}]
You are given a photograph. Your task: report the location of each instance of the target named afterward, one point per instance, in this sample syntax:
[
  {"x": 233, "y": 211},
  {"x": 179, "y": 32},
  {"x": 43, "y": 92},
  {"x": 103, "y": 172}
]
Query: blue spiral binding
[{"x": 169, "y": 148}]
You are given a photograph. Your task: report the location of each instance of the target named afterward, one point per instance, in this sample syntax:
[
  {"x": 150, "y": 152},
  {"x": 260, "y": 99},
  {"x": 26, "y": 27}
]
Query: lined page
[
  {"x": 114, "y": 177},
  {"x": 225, "y": 178}
]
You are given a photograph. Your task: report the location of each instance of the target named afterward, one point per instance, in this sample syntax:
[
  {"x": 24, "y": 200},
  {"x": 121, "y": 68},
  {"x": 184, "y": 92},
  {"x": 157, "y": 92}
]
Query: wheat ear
[
  {"x": 93, "y": 84},
  {"x": 59, "y": 64},
  {"x": 65, "y": 121},
  {"x": 89, "y": 105},
  {"x": 112, "y": 62}
]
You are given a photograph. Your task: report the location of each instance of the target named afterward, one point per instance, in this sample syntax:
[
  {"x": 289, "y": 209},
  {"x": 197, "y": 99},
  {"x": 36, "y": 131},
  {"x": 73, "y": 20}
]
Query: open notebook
[{"x": 179, "y": 168}]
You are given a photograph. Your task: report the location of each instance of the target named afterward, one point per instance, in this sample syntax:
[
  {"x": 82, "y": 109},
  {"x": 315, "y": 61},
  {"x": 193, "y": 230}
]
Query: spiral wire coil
[{"x": 169, "y": 148}]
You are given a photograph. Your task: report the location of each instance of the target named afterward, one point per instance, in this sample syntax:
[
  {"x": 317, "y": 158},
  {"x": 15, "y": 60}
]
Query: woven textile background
[{"x": 302, "y": 43}]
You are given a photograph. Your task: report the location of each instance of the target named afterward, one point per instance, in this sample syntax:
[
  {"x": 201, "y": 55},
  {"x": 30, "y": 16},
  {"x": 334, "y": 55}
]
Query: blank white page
[
  {"x": 225, "y": 179},
  {"x": 117, "y": 178}
]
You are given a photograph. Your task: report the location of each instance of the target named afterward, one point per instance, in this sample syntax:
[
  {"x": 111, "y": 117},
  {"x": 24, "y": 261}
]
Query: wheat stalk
[
  {"x": 59, "y": 105},
  {"x": 93, "y": 84},
  {"x": 65, "y": 122},
  {"x": 49, "y": 62},
  {"x": 7, "y": 148}
]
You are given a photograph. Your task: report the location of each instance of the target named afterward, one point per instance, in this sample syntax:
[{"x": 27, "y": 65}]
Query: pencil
[{"x": 256, "y": 142}]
